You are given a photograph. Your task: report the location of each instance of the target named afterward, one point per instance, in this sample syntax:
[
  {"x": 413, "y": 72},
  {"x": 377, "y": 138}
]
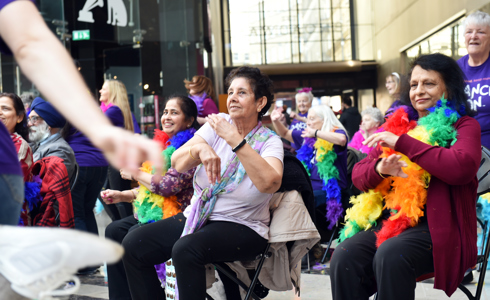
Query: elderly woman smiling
[
  {"x": 371, "y": 120},
  {"x": 424, "y": 176},
  {"x": 240, "y": 165},
  {"x": 476, "y": 67},
  {"x": 303, "y": 104}
]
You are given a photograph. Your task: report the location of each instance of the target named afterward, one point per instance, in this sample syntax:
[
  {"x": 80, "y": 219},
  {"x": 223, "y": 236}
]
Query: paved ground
[{"x": 313, "y": 286}]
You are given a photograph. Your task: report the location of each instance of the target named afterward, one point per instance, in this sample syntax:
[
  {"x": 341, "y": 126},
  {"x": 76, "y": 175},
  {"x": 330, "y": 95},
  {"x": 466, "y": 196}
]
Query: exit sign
[{"x": 81, "y": 35}]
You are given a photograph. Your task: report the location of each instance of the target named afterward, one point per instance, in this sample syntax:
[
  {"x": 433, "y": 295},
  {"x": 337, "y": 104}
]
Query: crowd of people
[{"x": 206, "y": 180}]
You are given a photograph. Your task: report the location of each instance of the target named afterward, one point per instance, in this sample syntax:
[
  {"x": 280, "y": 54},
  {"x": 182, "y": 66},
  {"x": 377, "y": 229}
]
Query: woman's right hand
[
  {"x": 392, "y": 165},
  {"x": 211, "y": 162},
  {"x": 113, "y": 197}
]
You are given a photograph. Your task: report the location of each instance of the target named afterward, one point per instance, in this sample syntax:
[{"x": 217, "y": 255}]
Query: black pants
[
  {"x": 357, "y": 268},
  {"x": 116, "y": 274},
  {"x": 157, "y": 242},
  {"x": 115, "y": 182},
  {"x": 84, "y": 195}
]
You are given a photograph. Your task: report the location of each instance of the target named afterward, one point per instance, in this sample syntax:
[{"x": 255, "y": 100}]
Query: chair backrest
[{"x": 483, "y": 174}]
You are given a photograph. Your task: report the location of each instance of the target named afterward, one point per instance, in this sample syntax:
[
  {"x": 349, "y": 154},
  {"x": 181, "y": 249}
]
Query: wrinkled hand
[
  {"x": 292, "y": 115},
  {"x": 211, "y": 162},
  {"x": 112, "y": 196},
  {"x": 224, "y": 129},
  {"x": 392, "y": 165},
  {"x": 125, "y": 174},
  {"x": 127, "y": 150},
  {"x": 387, "y": 139},
  {"x": 308, "y": 132},
  {"x": 276, "y": 114}
]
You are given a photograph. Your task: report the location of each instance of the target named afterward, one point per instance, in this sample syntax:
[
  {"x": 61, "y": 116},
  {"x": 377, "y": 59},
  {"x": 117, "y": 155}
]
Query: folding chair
[
  {"x": 255, "y": 279},
  {"x": 483, "y": 176}
]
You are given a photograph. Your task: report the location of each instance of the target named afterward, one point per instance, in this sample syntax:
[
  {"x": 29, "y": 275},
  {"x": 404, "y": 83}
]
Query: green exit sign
[{"x": 81, "y": 35}]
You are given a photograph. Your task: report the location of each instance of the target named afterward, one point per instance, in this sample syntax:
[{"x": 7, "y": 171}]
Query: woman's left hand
[
  {"x": 385, "y": 138},
  {"x": 308, "y": 132},
  {"x": 224, "y": 129}
]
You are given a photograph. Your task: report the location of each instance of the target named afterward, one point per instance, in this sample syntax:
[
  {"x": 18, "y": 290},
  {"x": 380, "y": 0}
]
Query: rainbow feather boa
[
  {"x": 405, "y": 197},
  {"x": 150, "y": 207},
  {"x": 325, "y": 159}
]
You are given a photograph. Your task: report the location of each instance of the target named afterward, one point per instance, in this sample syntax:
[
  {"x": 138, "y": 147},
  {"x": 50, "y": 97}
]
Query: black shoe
[
  {"x": 260, "y": 290},
  {"x": 468, "y": 278}
]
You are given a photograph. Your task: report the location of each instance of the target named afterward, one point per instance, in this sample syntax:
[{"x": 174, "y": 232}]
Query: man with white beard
[{"x": 45, "y": 124}]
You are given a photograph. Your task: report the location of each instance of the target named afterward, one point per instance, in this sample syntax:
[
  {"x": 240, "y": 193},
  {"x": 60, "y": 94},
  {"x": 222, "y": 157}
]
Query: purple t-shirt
[
  {"x": 478, "y": 91},
  {"x": 297, "y": 127},
  {"x": 9, "y": 162},
  {"x": 340, "y": 163},
  {"x": 115, "y": 114},
  {"x": 208, "y": 107},
  {"x": 245, "y": 205},
  {"x": 85, "y": 153}
]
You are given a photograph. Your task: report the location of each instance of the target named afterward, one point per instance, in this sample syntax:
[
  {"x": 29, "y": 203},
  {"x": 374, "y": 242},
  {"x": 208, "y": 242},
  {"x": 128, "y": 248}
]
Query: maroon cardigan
[{"x": 451, "y": 197}]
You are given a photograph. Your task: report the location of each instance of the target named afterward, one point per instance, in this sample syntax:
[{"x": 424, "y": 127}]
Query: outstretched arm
[{"x": 48, "y": 65}]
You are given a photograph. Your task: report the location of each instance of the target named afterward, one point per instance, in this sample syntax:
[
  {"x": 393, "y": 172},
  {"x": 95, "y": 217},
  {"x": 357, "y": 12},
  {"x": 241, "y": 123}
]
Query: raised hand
[{"x": 392, "y": 165}]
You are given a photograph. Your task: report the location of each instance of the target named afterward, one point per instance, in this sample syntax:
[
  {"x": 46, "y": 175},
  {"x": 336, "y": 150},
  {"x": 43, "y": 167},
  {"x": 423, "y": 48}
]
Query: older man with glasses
[{"x": 45, "y": 124}]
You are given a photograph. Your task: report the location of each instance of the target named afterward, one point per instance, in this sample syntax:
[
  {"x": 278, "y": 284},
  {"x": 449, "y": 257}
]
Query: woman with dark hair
[
  {"x": 239, "y": 167},
  {"x": 424, "y": 175},
  {"x": 157, "y": 197},
  {"x": 13, "y": 116},
  {"x": 201, "y": 90}
]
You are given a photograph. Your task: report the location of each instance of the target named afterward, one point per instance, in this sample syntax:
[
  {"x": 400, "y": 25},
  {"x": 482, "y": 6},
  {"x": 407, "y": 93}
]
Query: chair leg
[
  {"x": 257, "y": 272},
  {"x": 329, "y": 244},
  {"x": 483, "y": 269}
]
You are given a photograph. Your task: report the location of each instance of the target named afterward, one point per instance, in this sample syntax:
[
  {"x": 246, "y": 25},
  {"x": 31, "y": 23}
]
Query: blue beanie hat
[{"x": 44, "y": 109}]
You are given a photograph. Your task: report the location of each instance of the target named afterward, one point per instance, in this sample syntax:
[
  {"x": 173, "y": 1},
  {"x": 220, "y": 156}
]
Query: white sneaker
[{"x": 38, "y": 260}]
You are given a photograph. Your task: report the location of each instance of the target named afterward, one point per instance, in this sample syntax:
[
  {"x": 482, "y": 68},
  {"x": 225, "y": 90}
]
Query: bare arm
[
  {"x": 332, "y": 137},
  {"x": 48, "y": 65},
  {"x": 281, "y": 130}
]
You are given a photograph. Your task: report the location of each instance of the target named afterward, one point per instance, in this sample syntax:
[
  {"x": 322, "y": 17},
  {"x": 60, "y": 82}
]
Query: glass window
[
  {"x": 289, "y": 31},
  {"x": 448, "y": 41}
]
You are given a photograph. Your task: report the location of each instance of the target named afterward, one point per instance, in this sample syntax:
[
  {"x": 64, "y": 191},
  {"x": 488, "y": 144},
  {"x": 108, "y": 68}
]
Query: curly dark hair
[
  {"x": 188, "y": 107},
  {"x": 452, "y": 76},
  {"x": 21, "y": 128},
  {"x": 262, "y": 85}
]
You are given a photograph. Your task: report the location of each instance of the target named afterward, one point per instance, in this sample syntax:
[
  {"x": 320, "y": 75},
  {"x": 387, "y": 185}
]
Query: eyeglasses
[{"x": 34, "y": 119}]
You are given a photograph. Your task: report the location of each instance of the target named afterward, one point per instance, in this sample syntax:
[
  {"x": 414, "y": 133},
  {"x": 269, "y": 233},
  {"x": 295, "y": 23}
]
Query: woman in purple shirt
[
  {"x": 202, "y": 92},
  {"x": 324, "y": 127},
  {"x": 115, "y": 105},
  {"x": 179, "y": 121}
]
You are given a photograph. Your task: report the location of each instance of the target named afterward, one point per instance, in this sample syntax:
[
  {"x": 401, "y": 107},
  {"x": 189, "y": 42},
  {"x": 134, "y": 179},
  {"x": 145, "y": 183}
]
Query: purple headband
[{"x": 305, "y": 90}]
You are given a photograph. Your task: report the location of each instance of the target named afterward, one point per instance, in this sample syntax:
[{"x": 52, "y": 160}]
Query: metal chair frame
[{"x": 249, "y": 289}]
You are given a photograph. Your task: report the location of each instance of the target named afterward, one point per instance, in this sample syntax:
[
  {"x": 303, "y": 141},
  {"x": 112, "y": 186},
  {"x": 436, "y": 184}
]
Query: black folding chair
[{"x": 249, "y": 289}]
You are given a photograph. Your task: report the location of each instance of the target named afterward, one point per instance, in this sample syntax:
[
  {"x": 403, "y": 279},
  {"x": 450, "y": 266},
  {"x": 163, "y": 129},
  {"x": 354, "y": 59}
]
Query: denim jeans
[
  {"x": 11, "y": 198},
  {"x": 84, "y": 195}
]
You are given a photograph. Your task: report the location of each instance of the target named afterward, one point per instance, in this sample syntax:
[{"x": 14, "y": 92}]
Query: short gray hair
[
  {"x": 477, "y": 18},
  {"x": 374, "y": 112}
]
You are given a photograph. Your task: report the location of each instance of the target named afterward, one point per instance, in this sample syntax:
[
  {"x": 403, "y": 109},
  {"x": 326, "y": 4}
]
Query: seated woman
[
  {"x": 13, "y": 116},
  {"x": 202, "y": 92},
  {"x": 169, "y": 195},
  {"x": 240, "y": 168},
  {"x": 298, "y": 123},
  {"x": 425, "y": 176},
  {"x": 323, "y": 152},
  {"x": 371, "y": 120}
]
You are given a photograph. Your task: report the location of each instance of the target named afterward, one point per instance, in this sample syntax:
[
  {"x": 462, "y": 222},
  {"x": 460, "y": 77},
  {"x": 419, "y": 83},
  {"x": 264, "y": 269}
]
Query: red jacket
[
  {"x": 55, "y": 187},
  {"x": 451, "y": 197}
]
